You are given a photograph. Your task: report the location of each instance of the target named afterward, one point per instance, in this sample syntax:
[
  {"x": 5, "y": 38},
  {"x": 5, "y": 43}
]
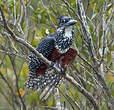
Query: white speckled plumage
[{"x": 61, "y": 40}]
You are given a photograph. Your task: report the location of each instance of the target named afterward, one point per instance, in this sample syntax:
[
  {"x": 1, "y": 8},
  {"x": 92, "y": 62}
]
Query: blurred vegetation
[{"x": 32, "y": 20}]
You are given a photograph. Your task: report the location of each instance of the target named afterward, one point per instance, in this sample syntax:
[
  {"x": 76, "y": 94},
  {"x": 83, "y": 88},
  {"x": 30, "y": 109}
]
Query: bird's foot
[
  {"x": 56, "y": 65},
  {"x": 62, "y": 71},
  {"x": 52, "y": 64}
]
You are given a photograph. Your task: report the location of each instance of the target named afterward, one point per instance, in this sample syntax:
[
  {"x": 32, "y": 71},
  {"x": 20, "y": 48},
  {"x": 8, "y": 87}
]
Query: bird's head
[
  {"x": 66, "y": 21},
  {"x": 65, "y": 33}
]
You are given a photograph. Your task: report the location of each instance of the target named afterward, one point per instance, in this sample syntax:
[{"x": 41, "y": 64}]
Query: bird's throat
[{"x": 64, "y": 39}]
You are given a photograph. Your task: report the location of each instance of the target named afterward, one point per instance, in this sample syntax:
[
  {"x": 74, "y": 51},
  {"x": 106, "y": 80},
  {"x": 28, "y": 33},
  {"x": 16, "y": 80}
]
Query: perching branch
[
  {"x": 83, "y": 91},
  {"x": 22, "y": 41}
]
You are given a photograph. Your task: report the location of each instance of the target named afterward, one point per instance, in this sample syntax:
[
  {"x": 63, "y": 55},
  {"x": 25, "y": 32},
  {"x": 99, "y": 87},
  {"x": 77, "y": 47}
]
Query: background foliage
[{"x": 32, "y": 20}]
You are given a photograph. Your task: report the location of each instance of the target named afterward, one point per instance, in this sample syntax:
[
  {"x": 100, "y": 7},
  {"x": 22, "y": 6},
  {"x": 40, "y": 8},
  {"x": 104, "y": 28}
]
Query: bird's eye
[{"x": 63, "y": 21}]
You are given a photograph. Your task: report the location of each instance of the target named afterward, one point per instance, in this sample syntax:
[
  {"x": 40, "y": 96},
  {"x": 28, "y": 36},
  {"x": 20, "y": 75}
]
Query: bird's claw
[
  {"x": 55, "y": 65},
  {"x": 62, "y": 71},
  {"x": 52, "y": 64}
]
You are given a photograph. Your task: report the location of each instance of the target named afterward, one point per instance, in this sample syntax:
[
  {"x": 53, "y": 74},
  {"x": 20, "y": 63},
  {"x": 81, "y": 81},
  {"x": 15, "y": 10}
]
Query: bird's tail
[{"x": 42, "y": 81}]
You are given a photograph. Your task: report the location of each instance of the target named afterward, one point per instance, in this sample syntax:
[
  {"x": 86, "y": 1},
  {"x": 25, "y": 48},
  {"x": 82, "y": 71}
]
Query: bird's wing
[{"x": 45, "y": 47}]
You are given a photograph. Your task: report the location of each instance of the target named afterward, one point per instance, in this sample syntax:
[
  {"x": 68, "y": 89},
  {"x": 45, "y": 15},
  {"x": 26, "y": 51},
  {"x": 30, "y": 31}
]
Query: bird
[{"x": 57, "y": 48}]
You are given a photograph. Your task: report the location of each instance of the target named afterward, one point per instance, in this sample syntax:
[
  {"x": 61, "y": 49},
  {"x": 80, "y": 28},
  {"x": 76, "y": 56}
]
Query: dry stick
[
  {"x": 14, "y": 13},
  {"x": 48, "y": 63},
  {"x": 73, "y": 101},
  {"x": 12, "y": 92},
  {"x": 17, "y": 86},
  {"x": 104, "y": 32},
  {"x": 57, "y": 98},
  {"x": 89, "y": 44},
  {"x": 83, "y": 80},
  {"x": 7, "y": 52},
  {"x": 48, "y": 14},
  {"x": 22, "y": 41},
  {"x": 14, "y": 54},
  {"x": 95, "y": 80},
  {"x": 71, "y": 98},
  {"x": 83, "y": 91},
  {"x": 85, "y": 29},
  {"x": 67, "y": 99},
  {"x": 26, "y": 21},
  {"x": 7, "y": 99},
  {"x": 48, "y": 107},
  {"x": 105, "y": 29},
  {"x": 90, "y": 48},
  {"x": 4, "y": 56},
  {"x": 2, "y": 60}
]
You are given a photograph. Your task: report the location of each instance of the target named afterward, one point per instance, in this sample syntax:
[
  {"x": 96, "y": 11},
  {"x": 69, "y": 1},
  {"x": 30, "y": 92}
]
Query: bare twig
[
  {"x": 85, "y": 30},
  {"x": 16, "y": 80},
  {"x": 14, "y": 13},
  {"x": 83, "y": 91},
  {"x": 21, "y": 41},
  {"x": 68, "y": 6},
  {"x": 11, "y": 90},
  {"x": 14, "y": 54},
  {"x": 7, "y": 99},
  {"x": 93, "y": 77},
  {"x": 57, "y": 98},
  {"x": 45, "y": 91},
  {"x": 47, "y": 107},
  {"x": 26, "y": 19},
  {"x": 48, "y": 14},
  {"x": 104, "y": 31},
  {"x": 72, "y": 100},
  {"x": 49, "y": 92},
  {"x": 83, "y": 80},
  {"x": 67, "y": 99},
  {"x": 90, "y": 46},
  {"x": 87, "y": 62}
]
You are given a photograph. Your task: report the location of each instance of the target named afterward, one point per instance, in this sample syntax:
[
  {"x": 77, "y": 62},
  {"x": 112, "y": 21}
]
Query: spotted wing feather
[{"x": 45, "y": 47}]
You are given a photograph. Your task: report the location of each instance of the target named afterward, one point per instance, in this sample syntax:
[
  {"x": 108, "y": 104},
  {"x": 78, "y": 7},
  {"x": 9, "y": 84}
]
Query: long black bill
[{"x": 71, "y": 22}]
